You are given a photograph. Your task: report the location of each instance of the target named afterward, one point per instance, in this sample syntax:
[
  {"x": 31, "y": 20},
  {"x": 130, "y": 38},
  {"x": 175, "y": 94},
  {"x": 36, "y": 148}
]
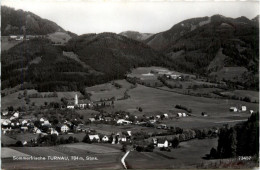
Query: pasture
[
  {"x": 59, "y": 37},
  {"x": 188, "y": 155},
  {"x": 154, "y": 101},
  {"x": 6, "y": 44},
  {"x": 253, "y": 95},
  {"x": 108, "y": 90},
  {"x": 107, "y": 157}
]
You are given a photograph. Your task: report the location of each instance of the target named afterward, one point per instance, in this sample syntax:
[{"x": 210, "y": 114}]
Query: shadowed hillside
[{"x": 19, "y": 21}]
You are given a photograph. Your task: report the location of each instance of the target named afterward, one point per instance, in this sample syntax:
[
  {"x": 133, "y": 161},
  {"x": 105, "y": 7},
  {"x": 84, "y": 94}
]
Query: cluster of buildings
[
  {"x": 239, "y": 109},
  {"x": 167, "y": 73},
  {"x": 24, "y": 37},
  {"x": 82, "y": 104}
]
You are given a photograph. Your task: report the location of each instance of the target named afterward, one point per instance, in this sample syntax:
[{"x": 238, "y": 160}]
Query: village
[
  {"x": 13, "y": 122},
  {"x": 107, "y": 119}
]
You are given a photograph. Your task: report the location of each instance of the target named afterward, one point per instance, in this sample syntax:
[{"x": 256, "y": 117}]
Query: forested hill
[
  {"x": 113, "y": 54},
  {"x": 18, "y": 22},
  {"x": 220, "y": 47},
  {"x": 84, "y": 61}
]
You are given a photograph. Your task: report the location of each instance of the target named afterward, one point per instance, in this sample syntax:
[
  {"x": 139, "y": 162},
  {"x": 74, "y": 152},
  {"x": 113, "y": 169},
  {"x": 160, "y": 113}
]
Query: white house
[
  {"x": 24, "y": 128},
  {"x": 5, "y": 113},
  {"x": 129, "y": 133},
  {"x": 122, "y": 139},
  {"x": 158, "y": 116},
  {"x": 162, "y": 143},
  {"x": 53, "y": 131},
  {"x": 123, "y": 121},
  {"x": 5, "y": 122},
  {"x": 179, "y": 114},
  {"x": 184, "y": 114},
  {"x": 70, "y": 107},
  {"x": 36, "y": 130},
  {"x": 24, "y": 122},
  {"x": 64, "y": 128},
  {"x": 25, "y": 142},
  {"x": 41, "y": 120},
  {"x": 92, "y": 119},
  {"x": 166, "y": 115},
  {"x": 16, "y": 114},
  {"x": 152, "y": 121},
  {"x": 92, "y": 137},
  {"x": 243, "y": 108},
  {"x": 233, "y": 109},
  {"x": 19, "y": 38},
  {"x": 46, "y": 123},
  {"x": 105, "y": 138},
  {"x": 13, "y": 36}
]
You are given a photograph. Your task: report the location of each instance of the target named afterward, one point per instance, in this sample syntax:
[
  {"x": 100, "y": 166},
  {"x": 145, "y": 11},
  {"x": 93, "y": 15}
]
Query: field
[
  {"x": 154, "y": 101},
  {"x": 253, "y": 95},
  {"x": 187, "y": 155},
  {"x": 5, "y": 140},
  {"x": 230, "y": 73},
  {"x": 108, "y": 90},
  {"x": 59, "y": 37},
  {"x": 107, "y": 157},
  {"x": 5, "y": 44},
  {"x": 8, "y": 152},
  {"x": 12, "y": 99}
]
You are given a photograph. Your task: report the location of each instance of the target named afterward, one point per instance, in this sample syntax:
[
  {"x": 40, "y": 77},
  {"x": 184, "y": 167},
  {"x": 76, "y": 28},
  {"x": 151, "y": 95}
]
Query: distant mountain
[
  {"x": 210, "y": 45},
  {"x": 136, "y": 35},
  {"x": 18, "y": 22},
  {"x": 84, "y": 61}
]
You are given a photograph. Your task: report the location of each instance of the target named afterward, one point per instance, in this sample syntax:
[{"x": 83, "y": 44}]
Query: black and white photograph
[{"x": 129, "y": 84}]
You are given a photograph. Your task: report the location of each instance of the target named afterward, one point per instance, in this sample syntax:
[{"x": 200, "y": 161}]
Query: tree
[
  {"x": 175, "y": 142},
  {"x": 10, "y": 108},
  {"x": 213, "y": 153},
  {"x": 124, "y": 147},
  {"x": 86, "y": 139},
  {"x": 19, "y": 144},
  {"x": 20, "y": 96}
]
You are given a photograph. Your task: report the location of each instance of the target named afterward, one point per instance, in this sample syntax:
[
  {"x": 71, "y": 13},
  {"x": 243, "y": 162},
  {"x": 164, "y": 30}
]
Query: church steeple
[{"x": 76, "y": 100}]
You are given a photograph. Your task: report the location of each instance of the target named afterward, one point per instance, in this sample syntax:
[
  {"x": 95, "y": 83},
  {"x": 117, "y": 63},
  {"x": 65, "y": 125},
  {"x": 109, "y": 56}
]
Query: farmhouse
[
  {"x": 179, "y": 114},
  {"x": 53, "y": 131},
  {"x": 94, "y": 137},
  {"x": 13, "y": 37},
  {"x": 36, "y": 130},
  {"x": 63, "y": 128},
  {"x": 105, "y": 139},
  {"x": 123, "y": 121},
  {"x": 24, "y": 128},
  {"x": 5, "y": 122},
  {"x": 82, "y": 128},
  {"x": 162, "y": 143},
  {"x": 24, "y": 122},
  {"x": 165, "y": 115},
  {"x": 5, "y": 113},
  {"x": 92, "y": 119},
  {"x": 19, "y": 38},
  {"x": 16, "y": 114},
  {"x": 243, "y": 108},
  {"x": 233, "y": 109}
]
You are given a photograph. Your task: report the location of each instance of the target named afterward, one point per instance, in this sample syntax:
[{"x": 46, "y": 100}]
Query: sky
[{"x": 153, "y": 16}]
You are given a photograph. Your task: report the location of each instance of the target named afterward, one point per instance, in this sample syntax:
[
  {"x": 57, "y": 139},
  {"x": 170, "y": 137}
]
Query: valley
[{"x": 186, "y": 97}]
